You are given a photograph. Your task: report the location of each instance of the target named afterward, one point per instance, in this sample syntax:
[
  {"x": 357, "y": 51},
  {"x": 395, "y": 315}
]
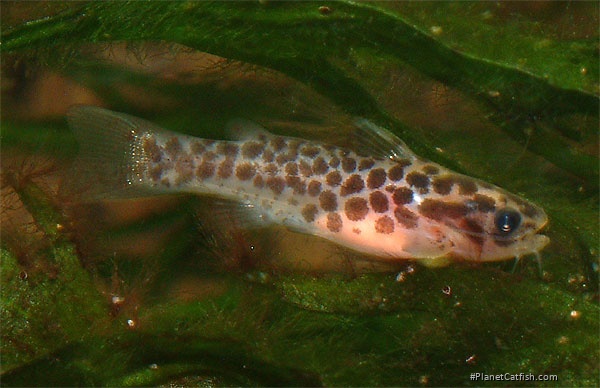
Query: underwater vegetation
[{"x": 171, "y": 291}]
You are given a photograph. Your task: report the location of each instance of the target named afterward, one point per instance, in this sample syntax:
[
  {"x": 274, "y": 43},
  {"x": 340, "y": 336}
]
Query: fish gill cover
[{"x": 177, "y": 290}]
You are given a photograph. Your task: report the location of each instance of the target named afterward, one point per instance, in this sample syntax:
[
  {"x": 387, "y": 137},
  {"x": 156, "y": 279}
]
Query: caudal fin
[{"x": 111, "y": 161}]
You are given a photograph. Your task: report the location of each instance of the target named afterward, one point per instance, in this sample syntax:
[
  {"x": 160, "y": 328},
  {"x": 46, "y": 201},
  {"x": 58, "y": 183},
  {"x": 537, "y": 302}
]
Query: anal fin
[{"x": 225, "y": 214}]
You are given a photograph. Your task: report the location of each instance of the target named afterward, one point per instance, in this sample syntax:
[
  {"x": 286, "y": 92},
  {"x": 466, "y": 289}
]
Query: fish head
[
  {"x": 489, "y": 224},
  {"x": 513, "y": 229}
]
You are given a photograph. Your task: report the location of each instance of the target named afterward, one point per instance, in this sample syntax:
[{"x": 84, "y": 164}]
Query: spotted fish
[{"x": 388, "y": 203}]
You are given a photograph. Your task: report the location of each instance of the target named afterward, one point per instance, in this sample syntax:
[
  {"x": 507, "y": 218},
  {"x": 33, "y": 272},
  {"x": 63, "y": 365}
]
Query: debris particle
[
  {"x": 471, "y": 360},
  {"x": 575, "y": 314},
  {"x": 436, "y": 30},
  {"x": 447, "y": 290},
  {"x": 324, "y": 10}
]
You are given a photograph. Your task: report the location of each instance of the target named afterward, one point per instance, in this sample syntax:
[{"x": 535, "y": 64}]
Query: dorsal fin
[
  {"x": 379, "y": 142},
  {"x": 241, "y": 129}
]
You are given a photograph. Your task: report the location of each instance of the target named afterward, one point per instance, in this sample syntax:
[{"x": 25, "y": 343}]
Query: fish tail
[{"x": 111, "y": 163}]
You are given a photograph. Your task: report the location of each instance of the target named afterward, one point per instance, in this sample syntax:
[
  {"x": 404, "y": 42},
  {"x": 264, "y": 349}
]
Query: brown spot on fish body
[
  {"x": 165, "y": 182},
  {"x": 443, "y": 184},
  {"x": 333, "y": 178},
  {"x": 319, "y": 166},
  {"x": 252, "y": 149},
  {"x": 341, "y": 152},
  {"x": 379, "y": 202},
  {"x": 205, "y": 170},
  {"x": 271, "y": 169},
  {"x": 334, "y": 222},
  {"x": 484, "y": 203},
  {"x": 288, "y": 156},
  {"x": 352, "y": 185},
  {"x": 384, "y": 225},
  {"x": 156, "y": 172},
  {"x": 430, "y": 169},
  {"x": 365, "y": 164},
  {"x": 396, "y": 172},
  {"x": 356, "y": 231},
  {"x": 328, "y": 201},
  {"x": 276, "y": 184},
  {"x": 418, "y": 180},
  {"x": 258, "y": 182},
  {"x": 402, "y": 196},
  {"x": 291, "y": 168},
  {"x": 281, "y": 159},
  {"x": 228, "y": 149},
  {"x": 173, "y": 146},
  {"x": 466, "y": 186},
  {"x": 294, "y": 144},
  {"x": 278, "y": 143},
  {"x": 356, "y": 208},
  {"x": 197, "y": 147},
  {"x": 348, "y": 164},
  {"x": 152, "y": 149},
  {"x": 209, "y": 156},
  {"x": 438, "y": 210},
  {"x": 390, "y": 188},
  {"x": 314, "y": 188},
  {"x": 268, "y": 156},
  {"x": 185, "y": 169},
  {"x": 245, "y": 171},
  {"x": 310, "y": 151},
  {"x": 334, "y": 162},
  {"x": 225, "y": 169},
  {"x": 376, "y": 178},
  {"x": 474, "y": 231},
  {"x": 405, "y": 217},
  {"x": 305, "y": 168},
  {"x": 309, "y": 212},
  {"x": 296, "y": 184}
]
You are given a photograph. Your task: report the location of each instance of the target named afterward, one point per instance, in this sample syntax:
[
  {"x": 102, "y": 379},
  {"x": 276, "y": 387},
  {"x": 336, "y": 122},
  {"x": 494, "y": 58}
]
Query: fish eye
[{"x": 507, "y": 221}]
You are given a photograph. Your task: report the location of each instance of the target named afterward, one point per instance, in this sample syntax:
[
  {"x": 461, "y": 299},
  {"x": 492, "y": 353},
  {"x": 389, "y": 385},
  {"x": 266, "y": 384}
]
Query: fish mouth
[
  {"x": 536, "y": 241},
  {"x": 507, "y": 248},
  {"x": 543, "y": 222},
  {"x": 539, "y": 242},
  {"x": 541, "y": 239},
  {"x": 542, "y": 226}
]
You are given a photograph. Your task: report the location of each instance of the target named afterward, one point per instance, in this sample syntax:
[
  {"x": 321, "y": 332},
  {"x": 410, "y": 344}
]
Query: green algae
[
  {"x": 427, "y": 326},
  {"x": 43, "y": 312}
]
